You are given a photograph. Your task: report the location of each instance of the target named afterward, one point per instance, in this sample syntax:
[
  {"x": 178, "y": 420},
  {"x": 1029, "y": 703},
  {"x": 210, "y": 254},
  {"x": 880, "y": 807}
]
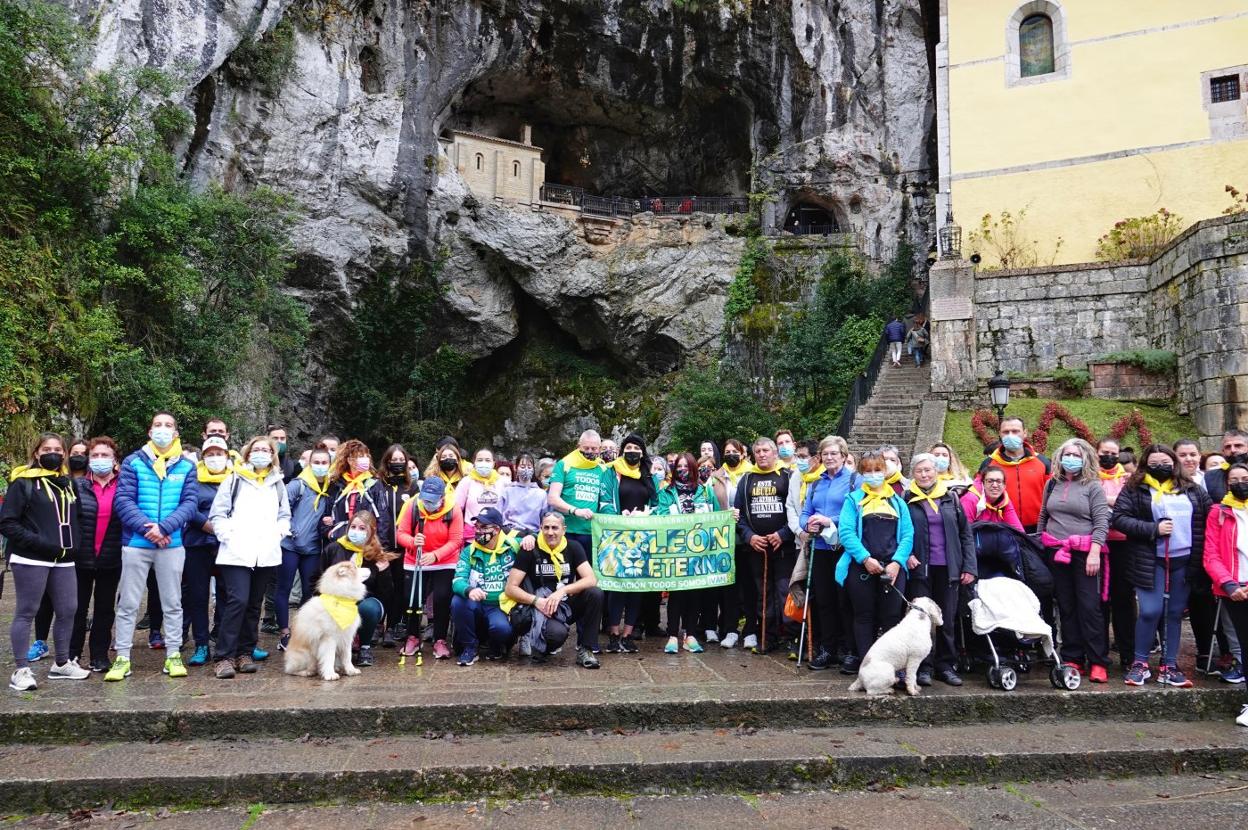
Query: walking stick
[
  {"x": 762, "y": 640},
  {"x": 416, "y": 602},
  {"x": 801, "y": 635},
  {"x": 1163, "y": 668},
  {"x": 1213, "y": 635}
]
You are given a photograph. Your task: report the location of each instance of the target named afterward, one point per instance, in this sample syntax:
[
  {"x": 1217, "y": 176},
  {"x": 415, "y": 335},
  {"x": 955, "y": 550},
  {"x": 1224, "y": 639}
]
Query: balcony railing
[{"x": 575, "y": 197}]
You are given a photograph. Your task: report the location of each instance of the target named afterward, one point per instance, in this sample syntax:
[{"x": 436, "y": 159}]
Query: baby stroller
[{"x": 1005, "y": 607}]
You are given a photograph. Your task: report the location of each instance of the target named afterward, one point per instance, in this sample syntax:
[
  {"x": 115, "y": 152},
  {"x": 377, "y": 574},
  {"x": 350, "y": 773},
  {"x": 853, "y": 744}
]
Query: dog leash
[{"x": 908, "y": 603}]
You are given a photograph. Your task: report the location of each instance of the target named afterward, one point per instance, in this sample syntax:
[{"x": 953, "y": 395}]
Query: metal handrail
[
  {"x": 576, "y": 197},
  {"x": 860, "y": 392}
]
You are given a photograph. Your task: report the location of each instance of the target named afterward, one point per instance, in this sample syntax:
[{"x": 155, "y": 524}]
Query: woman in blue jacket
[
  {"x": 821, "y": 510},
  {"x": 878, "y": 536}
]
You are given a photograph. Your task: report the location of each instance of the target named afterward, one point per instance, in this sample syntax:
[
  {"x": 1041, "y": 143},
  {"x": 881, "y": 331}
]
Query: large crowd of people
[{"x": 495, "y": 554}]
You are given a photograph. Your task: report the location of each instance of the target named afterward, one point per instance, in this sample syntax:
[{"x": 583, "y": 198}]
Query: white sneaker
[
  {"x": 23, "y": 680},
  {"x": 1242, "y": 720},
  {"x": 526, "y": 650},
  {"x": 749, "y": 642},
  {"x": 69, "y": 670},
  {"x": 711, "y": 636},
  {"x": 729, "y": 641}
]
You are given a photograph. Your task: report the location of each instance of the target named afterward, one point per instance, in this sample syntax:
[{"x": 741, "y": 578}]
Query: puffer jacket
[
  {"x": 251, "y": 518},
  {"x": 109, "y": 556},
  {"x": 1133, "y": 515},
  {"x": 375, "y": 498},
  {"x": 144, "y": 497}
]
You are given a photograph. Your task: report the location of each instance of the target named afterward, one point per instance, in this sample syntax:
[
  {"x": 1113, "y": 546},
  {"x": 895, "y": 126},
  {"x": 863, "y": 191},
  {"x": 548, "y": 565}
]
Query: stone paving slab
[{"x": 1209, "y": 800}]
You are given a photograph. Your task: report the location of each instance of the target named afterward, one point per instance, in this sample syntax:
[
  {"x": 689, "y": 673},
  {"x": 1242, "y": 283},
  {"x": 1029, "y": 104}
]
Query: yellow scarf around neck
[
  {"x": 358, "y": 558},
  {"x": 342, "y": 610},
  {"x": 621, "y": 467},
  {"x": 807, "y": 478},
  {"x": 356, "y": 482},
  {"x": 487, "y": 480},
  {"x": 577, "y": 461},
  {"x": 207, "y": 476},
  {"x": 32, "y": 472},
  {"x": 1160, "y": 488},
  {"x": 556, "y": 555},
  {"x": 938, "y": 490},
  {"x": 1234, "y": 503},
  {"x": 893, "y": 479},
  {"x": 319, "y": 489},
  {"x": 1112, "y": 475},
  {"x": 493, "y": 552},
  {"x": 445, "y": 508},
  {"x": 253, "y": 475},
  {"x": 171, "y": 453},
  {"x": 879, "y": 501}
]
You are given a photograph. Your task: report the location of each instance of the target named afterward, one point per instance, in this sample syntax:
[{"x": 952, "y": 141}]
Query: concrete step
[{"x": 244, "y": 768}]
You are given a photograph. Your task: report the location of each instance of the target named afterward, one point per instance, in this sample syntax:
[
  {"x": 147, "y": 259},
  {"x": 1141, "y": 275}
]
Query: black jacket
[
  {"x": 1133, "y": 516},
  {"x": 959, "y": 544},
  {"x": 88, "y": 511},
  {"x": 1215, "y": 485},
  {"x": 30, "y": 520},
  {"x": 376, "y": 500},
  {"x": 379, "y": 583}
]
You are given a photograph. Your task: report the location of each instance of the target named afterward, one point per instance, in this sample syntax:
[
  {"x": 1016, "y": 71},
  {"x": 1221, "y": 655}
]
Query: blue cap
[
  {"x": 489, "y": 516},
  {"x": 431, "y": 491}
]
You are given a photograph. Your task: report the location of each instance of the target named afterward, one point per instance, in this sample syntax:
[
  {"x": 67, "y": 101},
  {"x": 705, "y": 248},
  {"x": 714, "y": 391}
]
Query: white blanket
[{"x": 1008, "y": 603}]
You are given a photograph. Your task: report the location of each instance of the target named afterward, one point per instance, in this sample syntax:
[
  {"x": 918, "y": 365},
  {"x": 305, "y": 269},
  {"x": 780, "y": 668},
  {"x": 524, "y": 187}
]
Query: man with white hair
[
  {"x": 764, "y": 530},
  {"x": 608, "y": 451},
  {"x": 575, "y": 486}
]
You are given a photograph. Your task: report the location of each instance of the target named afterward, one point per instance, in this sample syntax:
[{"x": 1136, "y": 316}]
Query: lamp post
[
  {"x": 999, "y": 391},
  {"x": 950, "y": 238}
]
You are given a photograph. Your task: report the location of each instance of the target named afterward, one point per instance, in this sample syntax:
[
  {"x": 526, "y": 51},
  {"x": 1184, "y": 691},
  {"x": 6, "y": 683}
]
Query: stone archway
[{"x": 808, "y": 215}]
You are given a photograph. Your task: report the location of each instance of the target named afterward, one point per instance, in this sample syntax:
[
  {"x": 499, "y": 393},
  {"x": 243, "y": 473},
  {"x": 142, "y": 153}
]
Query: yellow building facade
[{"x": 1085, "y": 112}]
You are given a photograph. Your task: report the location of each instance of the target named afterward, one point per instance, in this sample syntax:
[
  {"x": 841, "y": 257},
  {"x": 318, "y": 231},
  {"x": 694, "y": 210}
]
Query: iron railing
[
  {"x": 562, "y": 194},
  {"x": 576, "y": 197}
]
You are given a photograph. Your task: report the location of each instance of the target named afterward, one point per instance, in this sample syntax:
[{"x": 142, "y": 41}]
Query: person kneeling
[
  {"x": 480, "y": 577},
  {"x": 547, "y": 601}
]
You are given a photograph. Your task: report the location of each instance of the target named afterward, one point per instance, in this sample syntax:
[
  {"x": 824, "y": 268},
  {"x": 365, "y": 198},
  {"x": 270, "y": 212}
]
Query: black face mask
[
  {"x": 397, "y": 468},
  {"x": 1240, "y": 490},
  {"x": 448, "y": 465},
  {"x": 485, "y": 537},
  {"x": 1108, "y": 461},
  {"x": 608, "y": 456},
  {"x": 704, "y": 474},
  {"x": 1237, "y": 458},
  {"x": 590, "y": 456},
  {"x": 1160, "y": 472},
  {"x": 682, "y": 476},
  {"x": 632, "y": 458},
  {"x": 51, "y": 460},
  {"x": 77, "y": 463},
  {"x": 732, "y": 459}
]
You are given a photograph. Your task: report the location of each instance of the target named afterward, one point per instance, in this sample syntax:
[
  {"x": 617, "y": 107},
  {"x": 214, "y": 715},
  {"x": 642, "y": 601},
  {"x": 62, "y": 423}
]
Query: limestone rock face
[{"x": 827, "y": 101}]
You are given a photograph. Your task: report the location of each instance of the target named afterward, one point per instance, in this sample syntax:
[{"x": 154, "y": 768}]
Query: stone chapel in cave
[{"x": 496, "y": 167}]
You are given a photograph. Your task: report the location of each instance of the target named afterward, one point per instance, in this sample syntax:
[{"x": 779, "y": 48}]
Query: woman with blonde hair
[
  {"x": 949, "y": 468},
  {"x": 362, "y": 545}
]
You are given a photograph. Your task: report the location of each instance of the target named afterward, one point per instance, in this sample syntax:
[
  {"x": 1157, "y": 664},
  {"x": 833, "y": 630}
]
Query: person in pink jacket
[
  {"x": 986, "y": 500},
  {"x": 1226, "y": 554},
  {"x": 482, "y": 487}
]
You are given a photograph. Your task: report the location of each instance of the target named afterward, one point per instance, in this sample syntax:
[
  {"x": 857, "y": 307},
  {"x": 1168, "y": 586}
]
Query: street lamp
[
  {"x": 950, "y": 238},
  {"x": 999, "y": 391}
]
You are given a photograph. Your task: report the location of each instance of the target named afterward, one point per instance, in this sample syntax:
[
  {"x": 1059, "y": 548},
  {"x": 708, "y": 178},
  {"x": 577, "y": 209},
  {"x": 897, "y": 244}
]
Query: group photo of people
[{"x": 484, "y": 557}]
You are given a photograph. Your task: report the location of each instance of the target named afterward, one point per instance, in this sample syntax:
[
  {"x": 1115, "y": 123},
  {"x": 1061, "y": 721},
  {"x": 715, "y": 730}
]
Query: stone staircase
[{"x": 891, "y": 414}]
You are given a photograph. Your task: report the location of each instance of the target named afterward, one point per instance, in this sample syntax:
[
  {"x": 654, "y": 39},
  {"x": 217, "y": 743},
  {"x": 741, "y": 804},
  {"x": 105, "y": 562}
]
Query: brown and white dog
[
  {"x": 320, "y": 639},
  {"x": 901, "y": 648}
]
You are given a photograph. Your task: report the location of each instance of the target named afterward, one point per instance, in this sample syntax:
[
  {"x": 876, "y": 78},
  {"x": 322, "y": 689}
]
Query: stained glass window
[{"x": 1035, "y": 46}]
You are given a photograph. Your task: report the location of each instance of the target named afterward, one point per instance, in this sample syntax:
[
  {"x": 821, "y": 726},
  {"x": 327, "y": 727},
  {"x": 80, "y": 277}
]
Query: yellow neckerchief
[
  {"x": 621, "y": 467},
  {"x": 318, "y": 488},
  {"x": 173, "y": 451},
  {"x": 342, "y": 610},
  {"x": 358, "y": 551},
  {"x": 356, "y": 482},
  {"x": 1113, "y": 475},
  {"x": 895, "y": 478},
  {"x": 487, "y": 481},
  {"x": 878, "y": 502},
  {"x": 998, "y": 508},
  {"x": 807, "y": 478},
  {"x": 452, "y": 478},
  {"x": 938, "y": 490},
  {"x": 493, "y": 552},
  {"x": 252, "y": 475},
  {"x": 445, "y": 508},
  {"x": 743, "y": 467},
  {"x": 577, "y": 461},
  {"x": 16, "y": 472},
  {"x": 207, "y": 476},
  {"x": 32, "y": 472},
  {"x": 1159, "y": 489},
  {"x": 1234, "y": 503},
  {"x": 556, "y": 555},
  {"x": 1001, "y": 459}
]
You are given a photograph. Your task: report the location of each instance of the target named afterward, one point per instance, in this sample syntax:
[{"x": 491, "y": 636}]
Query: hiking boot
[
  {"x": 156, "y": 641},
  {"x": 366, "y": 657},
  {"x": 923, "y": 678},
  {"x": 225, "y": 669},
  {"x": 613, "y": 644},
  {"x": 691, "y": 645},
  {"x": 69, "y": 670},
  {"x": 23, "y": 680},
  {"x": 1138, "y": 674},
  {"x": 628, "y": 645},
  {"x": 730, "y": 640},
  {"x": 849, "y": 664},
  {"x": 441, "y": 650},
  {"x": 823, "y": 661},
  {"x": 466, "y": 657},
  {"x": 200, "y": 657},
  {"x": 37, "y": 651},
  {"x": 586, "y": 659},
  {"x": 174, "y": 666},
  {"x": 410, "y": 646},
  {"x": 120, "y": 669},
  {"x": 1171, "y": 676},
  {"x": 950, "y": 677}
]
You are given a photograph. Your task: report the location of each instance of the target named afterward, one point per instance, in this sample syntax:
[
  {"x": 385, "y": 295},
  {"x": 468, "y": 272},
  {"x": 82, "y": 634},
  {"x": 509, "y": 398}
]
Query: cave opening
[
  {"x": 810, "y": 218},
  {"x": 607, "y": 145}
]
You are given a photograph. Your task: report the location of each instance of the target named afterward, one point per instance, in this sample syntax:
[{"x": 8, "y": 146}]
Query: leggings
[
  {"x": 102, "y": 584},
  {"x": 626, "y": 604},
  {"x": 43, "y": 619},
  {"x": 1237, "y": 613},
  {"x": 437, "y": 589},
  {"x": 682, "y": 611},
  {"x": 29, "y": 582},
  {"x": 304, "y": 564},
  {"x": 371, "y": 612},
  {"x": 1150, "y": 611},
  {"x": 876, "y": 606}
]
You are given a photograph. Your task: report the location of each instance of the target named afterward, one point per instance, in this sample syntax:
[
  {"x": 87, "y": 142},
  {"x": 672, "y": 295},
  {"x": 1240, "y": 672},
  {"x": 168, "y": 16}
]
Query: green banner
[{"x": 664, "y": 553}]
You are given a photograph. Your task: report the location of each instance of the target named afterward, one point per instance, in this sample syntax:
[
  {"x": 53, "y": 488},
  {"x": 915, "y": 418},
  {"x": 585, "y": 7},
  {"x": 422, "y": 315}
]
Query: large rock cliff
[{"x": 340, "y": 104}]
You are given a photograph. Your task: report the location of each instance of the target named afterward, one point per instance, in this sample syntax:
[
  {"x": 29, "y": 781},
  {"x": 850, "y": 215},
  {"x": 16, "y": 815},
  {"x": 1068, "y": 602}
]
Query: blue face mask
[
  {"x": 1012, "y": 442},
  {"x": 357, "y": 537},
  {"x": 942, "y": 464},
  {"x": 320, "y": 470},
  {"x": 101, "y": 466},
  {"x": 162, "y": 436},
  {"x": 1071, "y": 463},
  {"x": 785, "y": 452},
  {"x": 873, "y": 479},
  {"x": 803, "y": 465}
]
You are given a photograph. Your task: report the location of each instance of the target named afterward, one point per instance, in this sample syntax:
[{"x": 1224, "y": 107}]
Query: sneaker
[
  {"x": 586, "y": 659},
  {"x": 200, "y": 657},
  {"x": 1138, "y": 674},
  {"x": 710, "y": 636},
  {"x": 1171, "y": 676},
  {"x": 1242, "y": 720},
  {"x": 143, "y": 624},
  {"x": 173, "y": 665},
  {"x": 526, "y": 649},
  {"x": 750, "y": 642},
  {"x": 923, "y": 678},
  {"x": 849, "y": 665},
  {"x": 156, "y": 641},
  {"x": 1098, "y": 674},
  {"x": 120, "y": 669},
  {"x": 628, "y": 645},
  {"x": 283, "y": 643},
  {"x": 1233, "y": 675},
  {"x": 270, "y": 627},
  {"x": 23, "y": 680},
  {"x": 692, "y": 645},
  {"x": 37, "y": 651},
  {"x": 823, "y": 660},
  {"x": 99, "y": 665},
  {"x": 466, "y": 657},
  {"x": 729, "y": 641},
  {"x": 410, "y": 646},
  {"x": 613, "y": 644},
  {"x": 387, "y": 639},
  {"x": 366, "y": 657},
  {"x": 441, "y": 651},
  {"x": 1225, "y": 661},
  {"x": 259, "y": 655},
  {"x": 69, "y": 670},
  {"x": 225, "y": 669},
  {"x": 672, "y": 646}
]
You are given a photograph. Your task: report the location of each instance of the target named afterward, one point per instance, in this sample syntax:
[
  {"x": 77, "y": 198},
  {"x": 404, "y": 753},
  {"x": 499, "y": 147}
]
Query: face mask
[
  {"x": 162, "y": 436},
  {"x": 524, "y": 475},
  {"x": 483, "y": 468},
  {"x": 77, "y": 463},
  {"x": 320, "y": 470},
  {"x": 682, "y": 476},
  {"x": 873, "y": 479},
  {"x": 658, "y": 479},
  {"x": 1161, "y": 472},
  {"x": 892, "y": 468},
  {"x": 448, "y": 465},
  {"x": 632, "y": 458},
  {"x": 357, "y": 537},
  {"x": 1237, "y": 458},
  {"x": 397, "y": 468},
  {"x": 590, "y": 456},
  {"x": 51, "y": 460},
  {"x": 1071, "y": 463},
  {"x": 802, "y": 464},
  {"x": 260, "y": 460},
  {"x": 281, "y": 447},
  {"x": 608, "y": 455},
  {"x": 785, "y": 452},
  {"x": 101, "y": 466},
  {"x": 363, "y": 464},
  {"x": 704, "y": 474},
  {"x": 332, "y": 455},
  {"x": 485, "y": 537},
  {"x": 942, "y": 464},
  {"x": 215, "y": 463},
  {"x": 732, "y": 459},
  {"x": 1012, "y": 443},
  {"x": 1107, "y": 460},
  {"x": 1240, "y": 490}
]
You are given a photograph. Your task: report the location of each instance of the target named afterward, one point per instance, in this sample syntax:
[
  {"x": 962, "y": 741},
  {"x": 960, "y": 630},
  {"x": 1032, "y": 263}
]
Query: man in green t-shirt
[{"x": 574, "y": 487}]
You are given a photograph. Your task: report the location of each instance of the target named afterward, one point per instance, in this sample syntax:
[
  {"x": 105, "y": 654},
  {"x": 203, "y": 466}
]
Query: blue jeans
[
  {"x": 1150, "y": 610},
  {"x": 468, "y": 614},
  {"x": 196, "y": 577},
  {"x": 305, "y": 564},
  {"x": 371, "y": 611}
]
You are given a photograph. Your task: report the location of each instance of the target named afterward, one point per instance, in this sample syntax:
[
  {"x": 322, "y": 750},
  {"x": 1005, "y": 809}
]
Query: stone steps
[
  {"x": 244, "y": 768},
  {"x": 891, "y": 414}
]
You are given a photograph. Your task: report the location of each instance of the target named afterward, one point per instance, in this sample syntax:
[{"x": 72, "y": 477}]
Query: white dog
[
  {"x": 320, "y": 640},
  {"x": 901, "y": 647}
]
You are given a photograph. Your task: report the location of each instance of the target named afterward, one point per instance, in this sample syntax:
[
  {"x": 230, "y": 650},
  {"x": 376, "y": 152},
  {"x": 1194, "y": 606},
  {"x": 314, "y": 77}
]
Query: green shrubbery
[{"x": 1139, "y": 236}]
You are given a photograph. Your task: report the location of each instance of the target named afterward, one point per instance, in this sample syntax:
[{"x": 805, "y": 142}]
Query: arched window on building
[
  {"x": 515, "y": 169},
  {"x": 480, "y": 161},
  {"x": 1035, "y": 46}
]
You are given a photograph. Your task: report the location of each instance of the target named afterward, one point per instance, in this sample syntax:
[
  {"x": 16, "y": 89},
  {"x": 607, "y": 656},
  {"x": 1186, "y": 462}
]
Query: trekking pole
[
  {"x": 801, "y": 636},
  {"x": 1213, "y": 635},
  {"x": 762, "y": 639},
  {"x": 416, "y": 603},
  {"x": 1163, "y": 667}
]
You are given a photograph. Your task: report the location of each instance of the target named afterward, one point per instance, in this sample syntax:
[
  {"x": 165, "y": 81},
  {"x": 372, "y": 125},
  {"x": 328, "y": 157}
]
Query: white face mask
[
  {"x": 483, "y": 468},
  {"x": 260, "y": 460},
  {"x": 215, "y": 463},
  {"x": 162, "y": 436},
  {"x": 891, "y": 467}
]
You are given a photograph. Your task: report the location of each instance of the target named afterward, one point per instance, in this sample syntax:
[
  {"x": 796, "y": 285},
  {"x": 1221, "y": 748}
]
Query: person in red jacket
[
  {"x": 1226, "y": 554},
  {"x": 1025, "y": 470},
  {"x": 430, "y": 523}
]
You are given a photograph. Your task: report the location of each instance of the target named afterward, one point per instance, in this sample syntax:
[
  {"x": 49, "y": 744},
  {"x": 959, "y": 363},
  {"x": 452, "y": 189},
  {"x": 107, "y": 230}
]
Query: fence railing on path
[{"x": 576, "y": 197}]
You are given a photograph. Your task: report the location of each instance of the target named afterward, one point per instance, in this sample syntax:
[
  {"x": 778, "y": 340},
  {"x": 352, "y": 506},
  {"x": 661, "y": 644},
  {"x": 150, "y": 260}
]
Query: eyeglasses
[{"x": 994, "y": 483}]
